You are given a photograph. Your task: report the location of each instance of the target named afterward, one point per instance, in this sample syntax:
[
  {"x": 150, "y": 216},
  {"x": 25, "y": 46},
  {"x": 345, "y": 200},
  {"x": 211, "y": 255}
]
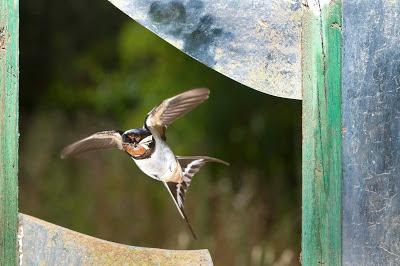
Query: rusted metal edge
[{"x": 43, "y": 243}]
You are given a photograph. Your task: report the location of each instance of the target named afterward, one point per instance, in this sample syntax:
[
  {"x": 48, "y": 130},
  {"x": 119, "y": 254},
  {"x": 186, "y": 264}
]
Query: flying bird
[{"x": 148, "y": 148}]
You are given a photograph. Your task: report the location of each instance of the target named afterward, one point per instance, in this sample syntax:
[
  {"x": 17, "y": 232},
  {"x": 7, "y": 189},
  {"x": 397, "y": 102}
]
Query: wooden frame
[
  {"x": 322, "y": 167},
  {"x": 9, "y": 73},
  {"x": 351, "y": 140}
]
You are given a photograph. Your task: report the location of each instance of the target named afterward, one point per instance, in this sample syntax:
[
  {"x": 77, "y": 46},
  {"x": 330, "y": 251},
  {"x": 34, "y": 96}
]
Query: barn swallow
[{"x": 148, "y": 148}]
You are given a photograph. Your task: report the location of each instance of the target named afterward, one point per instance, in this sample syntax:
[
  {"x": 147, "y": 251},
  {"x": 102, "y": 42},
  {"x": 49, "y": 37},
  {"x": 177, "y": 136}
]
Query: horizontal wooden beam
[{"x": 44, "y": 243}]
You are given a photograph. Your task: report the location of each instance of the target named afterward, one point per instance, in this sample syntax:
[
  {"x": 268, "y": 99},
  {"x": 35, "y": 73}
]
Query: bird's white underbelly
[{"x": 160, "y": 165}]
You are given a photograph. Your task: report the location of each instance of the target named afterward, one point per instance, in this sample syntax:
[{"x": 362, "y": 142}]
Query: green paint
[
  {"x": 322, "y": 172},
  {"x": 9, "y": 19}
]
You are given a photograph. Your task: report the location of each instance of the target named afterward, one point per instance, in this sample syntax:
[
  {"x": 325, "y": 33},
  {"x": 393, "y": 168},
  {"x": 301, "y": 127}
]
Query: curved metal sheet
[
  {"x": 43, "y": 243},
  {"x": 257, "y": 43}
]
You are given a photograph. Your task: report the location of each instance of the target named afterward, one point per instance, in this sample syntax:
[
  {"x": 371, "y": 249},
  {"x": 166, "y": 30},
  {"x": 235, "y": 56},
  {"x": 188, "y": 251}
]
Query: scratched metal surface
[
  {"x": 42, "y": 243},
  {"x": 257, "y": 43},
  {"x": 371, "y": 140}
]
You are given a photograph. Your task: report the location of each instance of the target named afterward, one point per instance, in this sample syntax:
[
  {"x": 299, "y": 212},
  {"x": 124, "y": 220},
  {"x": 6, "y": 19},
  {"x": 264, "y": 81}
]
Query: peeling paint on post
[
  {"x": 322, "y": 172},
  {"x": 8, "y": 131}
]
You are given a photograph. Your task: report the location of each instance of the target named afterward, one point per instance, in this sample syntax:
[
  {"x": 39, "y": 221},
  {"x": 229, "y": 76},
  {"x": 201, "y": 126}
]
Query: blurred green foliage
[{"x": 86, "y": 67}]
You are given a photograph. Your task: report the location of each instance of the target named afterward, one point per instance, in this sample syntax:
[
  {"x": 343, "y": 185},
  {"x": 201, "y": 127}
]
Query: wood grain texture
[
  {"x": 371, "y": 139},
  {"x": 48, "y": 244},
  {"x": 322, "y": 173},
  {"x": 8, "y": 130}
]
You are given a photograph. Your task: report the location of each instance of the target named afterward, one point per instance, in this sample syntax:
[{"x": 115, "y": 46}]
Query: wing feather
[
  {"x": 172, "y": 108},
  {"x": 97, "y": 141}
]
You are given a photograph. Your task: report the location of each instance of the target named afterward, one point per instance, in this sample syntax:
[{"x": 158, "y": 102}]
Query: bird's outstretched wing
[
  {"x": 173, "y": 108},
  {"x": 190, "y": 166},
  {"x": 97, "y": 141}
]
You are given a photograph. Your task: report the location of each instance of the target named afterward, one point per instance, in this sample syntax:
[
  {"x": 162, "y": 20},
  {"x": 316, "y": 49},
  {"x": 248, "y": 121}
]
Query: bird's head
[
  {"x": 138, "y": 142},
  {"x": 134, "y": 136}
]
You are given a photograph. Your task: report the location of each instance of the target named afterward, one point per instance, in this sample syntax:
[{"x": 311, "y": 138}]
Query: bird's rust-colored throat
[{"x": 135, "y": 151}]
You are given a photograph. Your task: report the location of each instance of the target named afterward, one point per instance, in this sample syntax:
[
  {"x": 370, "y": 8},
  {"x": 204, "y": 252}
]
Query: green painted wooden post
[
  {"x": 9, "y": 21},
  {"x": 322, "y": 173}
]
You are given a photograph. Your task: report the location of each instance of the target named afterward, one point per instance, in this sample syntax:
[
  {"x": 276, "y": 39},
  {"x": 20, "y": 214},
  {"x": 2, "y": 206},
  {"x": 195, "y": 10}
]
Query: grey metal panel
[
  {"x": 257, "y": 43},
  {"x": 371, "y": 134},
  {"x": 42, "y": 243}
]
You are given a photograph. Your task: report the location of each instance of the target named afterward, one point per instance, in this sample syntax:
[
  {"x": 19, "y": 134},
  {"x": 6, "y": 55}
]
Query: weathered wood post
[
  {"x": 9, "y": 72},
  {"x": 351, "y": 144},
  {"x": 322, "y": 158},
  {"x": 371, "y": 132}
]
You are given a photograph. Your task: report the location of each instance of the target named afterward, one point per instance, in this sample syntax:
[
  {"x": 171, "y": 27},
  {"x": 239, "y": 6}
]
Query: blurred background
[{"x": 87, "y": 67}]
